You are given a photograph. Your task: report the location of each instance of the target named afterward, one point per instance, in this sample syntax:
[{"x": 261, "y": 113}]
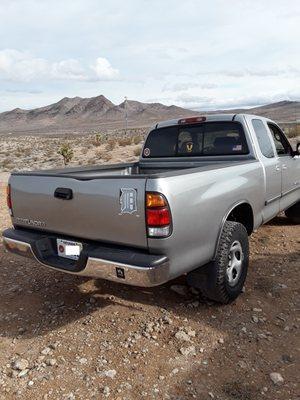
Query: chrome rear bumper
[{"x": 144, "y": 276}]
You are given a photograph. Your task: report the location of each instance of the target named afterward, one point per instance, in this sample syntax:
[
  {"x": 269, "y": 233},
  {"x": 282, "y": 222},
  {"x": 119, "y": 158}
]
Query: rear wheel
[
  {"x": 293, "y": 213},
  {"x": 223, "y": 279}
]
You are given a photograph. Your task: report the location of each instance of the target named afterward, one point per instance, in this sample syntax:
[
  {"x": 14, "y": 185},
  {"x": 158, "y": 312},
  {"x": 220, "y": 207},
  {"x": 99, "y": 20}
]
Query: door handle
[
  {"x": 277, "y": 168},
  {"x": 284, "y": 166}
]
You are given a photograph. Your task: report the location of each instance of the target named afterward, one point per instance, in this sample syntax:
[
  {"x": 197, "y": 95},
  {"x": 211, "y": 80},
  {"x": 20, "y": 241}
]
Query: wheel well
[{"x": 243, "y": 214}]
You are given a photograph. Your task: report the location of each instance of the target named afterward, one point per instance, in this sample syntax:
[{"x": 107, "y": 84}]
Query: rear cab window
[{"x": 204, "y": 139}]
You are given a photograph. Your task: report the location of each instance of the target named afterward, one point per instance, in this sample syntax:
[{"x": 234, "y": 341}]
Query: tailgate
[{"x": 104, "y": 209}]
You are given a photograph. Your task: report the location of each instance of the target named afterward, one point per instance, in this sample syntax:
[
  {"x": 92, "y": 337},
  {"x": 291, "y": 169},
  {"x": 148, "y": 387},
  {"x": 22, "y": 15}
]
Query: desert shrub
[
  {"x": 7, "y": 163},
  {"x": 103, "y": 155},
  {"x": 91, "y": 161},
  {"x": 137, "y": 139},
  {"x": 137, "y": 150},
  {"x": 98, "y": 139},
  {"x": 106, "y": 157},
  {"x": 293, "y": 131},
  {"x": 84, "y": 151},
  {"x": 100, "y": 153},
  {"x": 111, "y": 144},
  {"x": 66, "y": 152},
  {"x": 125, "y": 141}
]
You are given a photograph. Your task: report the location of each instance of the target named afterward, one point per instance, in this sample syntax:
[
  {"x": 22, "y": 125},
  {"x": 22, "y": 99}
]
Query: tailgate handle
[{"x": 63, "y": 193}]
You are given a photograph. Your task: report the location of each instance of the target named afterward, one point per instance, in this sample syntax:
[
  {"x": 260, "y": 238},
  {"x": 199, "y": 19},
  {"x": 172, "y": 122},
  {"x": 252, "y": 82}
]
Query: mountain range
[{"x": 81, "y": 115}]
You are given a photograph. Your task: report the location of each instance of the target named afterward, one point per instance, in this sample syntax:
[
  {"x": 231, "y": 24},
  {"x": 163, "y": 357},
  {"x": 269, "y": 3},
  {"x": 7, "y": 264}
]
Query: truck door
[
  {"x": 272, "y": 168},
  {"x": 289, "y": 165}
]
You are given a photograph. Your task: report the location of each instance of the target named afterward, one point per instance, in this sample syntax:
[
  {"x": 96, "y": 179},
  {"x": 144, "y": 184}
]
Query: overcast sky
[{"x": 193, "y": 53}]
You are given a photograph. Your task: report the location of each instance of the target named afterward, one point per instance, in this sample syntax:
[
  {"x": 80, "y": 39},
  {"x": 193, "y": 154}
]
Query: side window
[
  {"x": 281, "y": 144},
  {"x": 263, "y": 138}
]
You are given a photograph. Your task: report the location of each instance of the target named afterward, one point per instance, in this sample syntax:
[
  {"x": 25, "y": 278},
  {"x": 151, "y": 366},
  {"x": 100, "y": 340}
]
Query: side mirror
[{"x": 297, "y": 151}]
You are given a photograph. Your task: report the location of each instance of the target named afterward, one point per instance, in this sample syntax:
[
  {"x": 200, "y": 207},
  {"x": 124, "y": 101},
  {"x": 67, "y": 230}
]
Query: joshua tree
[
  {"x": 98, "y": 139},
  {"x": 66, "y": 152}
]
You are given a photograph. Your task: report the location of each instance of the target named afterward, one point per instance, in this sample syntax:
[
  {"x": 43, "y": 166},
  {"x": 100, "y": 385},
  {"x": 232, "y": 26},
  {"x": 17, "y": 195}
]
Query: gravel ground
[{"x": 66, "y": 337}]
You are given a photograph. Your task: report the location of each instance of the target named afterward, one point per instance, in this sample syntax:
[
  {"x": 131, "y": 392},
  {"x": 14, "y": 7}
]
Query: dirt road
[{"x": 65, "y": 337}]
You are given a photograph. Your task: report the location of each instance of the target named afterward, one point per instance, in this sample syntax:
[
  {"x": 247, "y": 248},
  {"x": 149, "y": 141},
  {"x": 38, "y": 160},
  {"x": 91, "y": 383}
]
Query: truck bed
[
  {"x": 133, "y": 170},
  {"x": 95, "y": 210}
]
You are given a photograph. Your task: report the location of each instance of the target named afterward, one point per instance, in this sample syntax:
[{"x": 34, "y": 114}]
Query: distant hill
[
  {"x": 80, "y": 115},
  {"x": 86, "y": 114},
  {"x": 283, "y": 111}
]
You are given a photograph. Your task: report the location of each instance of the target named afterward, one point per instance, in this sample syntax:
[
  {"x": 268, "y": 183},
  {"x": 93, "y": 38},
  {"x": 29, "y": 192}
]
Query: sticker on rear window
[
  {"x": 146, "y": 152},
  {"x": 238, "y": 147}
]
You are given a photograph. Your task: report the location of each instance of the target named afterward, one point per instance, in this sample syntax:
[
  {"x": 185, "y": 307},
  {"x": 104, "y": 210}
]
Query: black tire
[
  {"x": 213, "y": 280},
  {"x": 293, "y": 213}
]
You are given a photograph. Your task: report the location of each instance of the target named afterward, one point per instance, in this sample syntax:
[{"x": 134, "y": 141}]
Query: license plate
[{"x": 68, "y": 249}]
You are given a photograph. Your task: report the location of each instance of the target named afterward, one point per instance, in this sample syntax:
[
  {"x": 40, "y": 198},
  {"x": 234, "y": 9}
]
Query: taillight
[
  {"x": 8, "y": 198},
  {"x": 158, "y": 215}
]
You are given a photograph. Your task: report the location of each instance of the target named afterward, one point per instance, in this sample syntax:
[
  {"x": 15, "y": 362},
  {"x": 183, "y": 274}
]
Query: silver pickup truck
[{"x": 200, "y": 188}]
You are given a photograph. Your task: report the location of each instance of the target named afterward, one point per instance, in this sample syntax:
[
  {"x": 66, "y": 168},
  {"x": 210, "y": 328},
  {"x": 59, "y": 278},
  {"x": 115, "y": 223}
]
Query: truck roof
[{"x": 210, "y": 117}]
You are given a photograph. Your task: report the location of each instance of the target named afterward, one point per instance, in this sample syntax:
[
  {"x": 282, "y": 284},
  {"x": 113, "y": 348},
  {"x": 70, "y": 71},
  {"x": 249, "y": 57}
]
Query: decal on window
[
  {"x": 238, "y": 147},
  {"x": 146, "y": 152}
]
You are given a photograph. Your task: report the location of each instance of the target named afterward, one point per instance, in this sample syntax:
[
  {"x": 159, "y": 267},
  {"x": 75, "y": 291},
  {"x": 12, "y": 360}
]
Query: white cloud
[
  {"x": 104, "y": 70},
  {"x": 178, "y": 87},
  {"x": 20, "y": 66}
]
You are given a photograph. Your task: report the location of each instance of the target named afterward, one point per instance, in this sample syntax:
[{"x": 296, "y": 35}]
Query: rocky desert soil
[{"x": 68, "y": 337}]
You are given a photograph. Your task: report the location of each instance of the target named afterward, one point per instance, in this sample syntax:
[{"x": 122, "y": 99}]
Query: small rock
[
  {"x": 181, "y": 335},
  {"x": 179, "y": 289},
  {"x": 83, "y": 360},
  {"x": 255, "y": 319},
  {"x": 22, "y": 373},
  {"x": 190, "y": 332},
  {"x": 281, "y": 286},
  {"x": 51, "y": 362},
  {"x": 286, "y": 358},
  {"x": 276, "y": 378},
  {"x": 46, "y": 351},
  {"x": 111, "y": 373},
  {"x": 194, "y": 304},
  {"x": 242, "y": 364},
  {"x": 20, "y": 364},
  {"x": 167, "y": 320},
  {"x": 188, "y": 351},
  {"x": 221, "y": 341},
  {"x": 106, "y": 391}
]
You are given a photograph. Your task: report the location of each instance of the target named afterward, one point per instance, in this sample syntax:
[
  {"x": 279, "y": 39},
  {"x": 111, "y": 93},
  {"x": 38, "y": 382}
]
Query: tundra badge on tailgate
[{"x": 128, "y": 200}]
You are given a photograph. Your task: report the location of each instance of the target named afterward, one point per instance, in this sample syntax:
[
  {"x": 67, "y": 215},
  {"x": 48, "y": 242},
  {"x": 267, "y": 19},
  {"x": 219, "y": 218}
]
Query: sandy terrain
[
  {"x": 33, "y": 152},
  {"x": 66, "y": 337}
]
